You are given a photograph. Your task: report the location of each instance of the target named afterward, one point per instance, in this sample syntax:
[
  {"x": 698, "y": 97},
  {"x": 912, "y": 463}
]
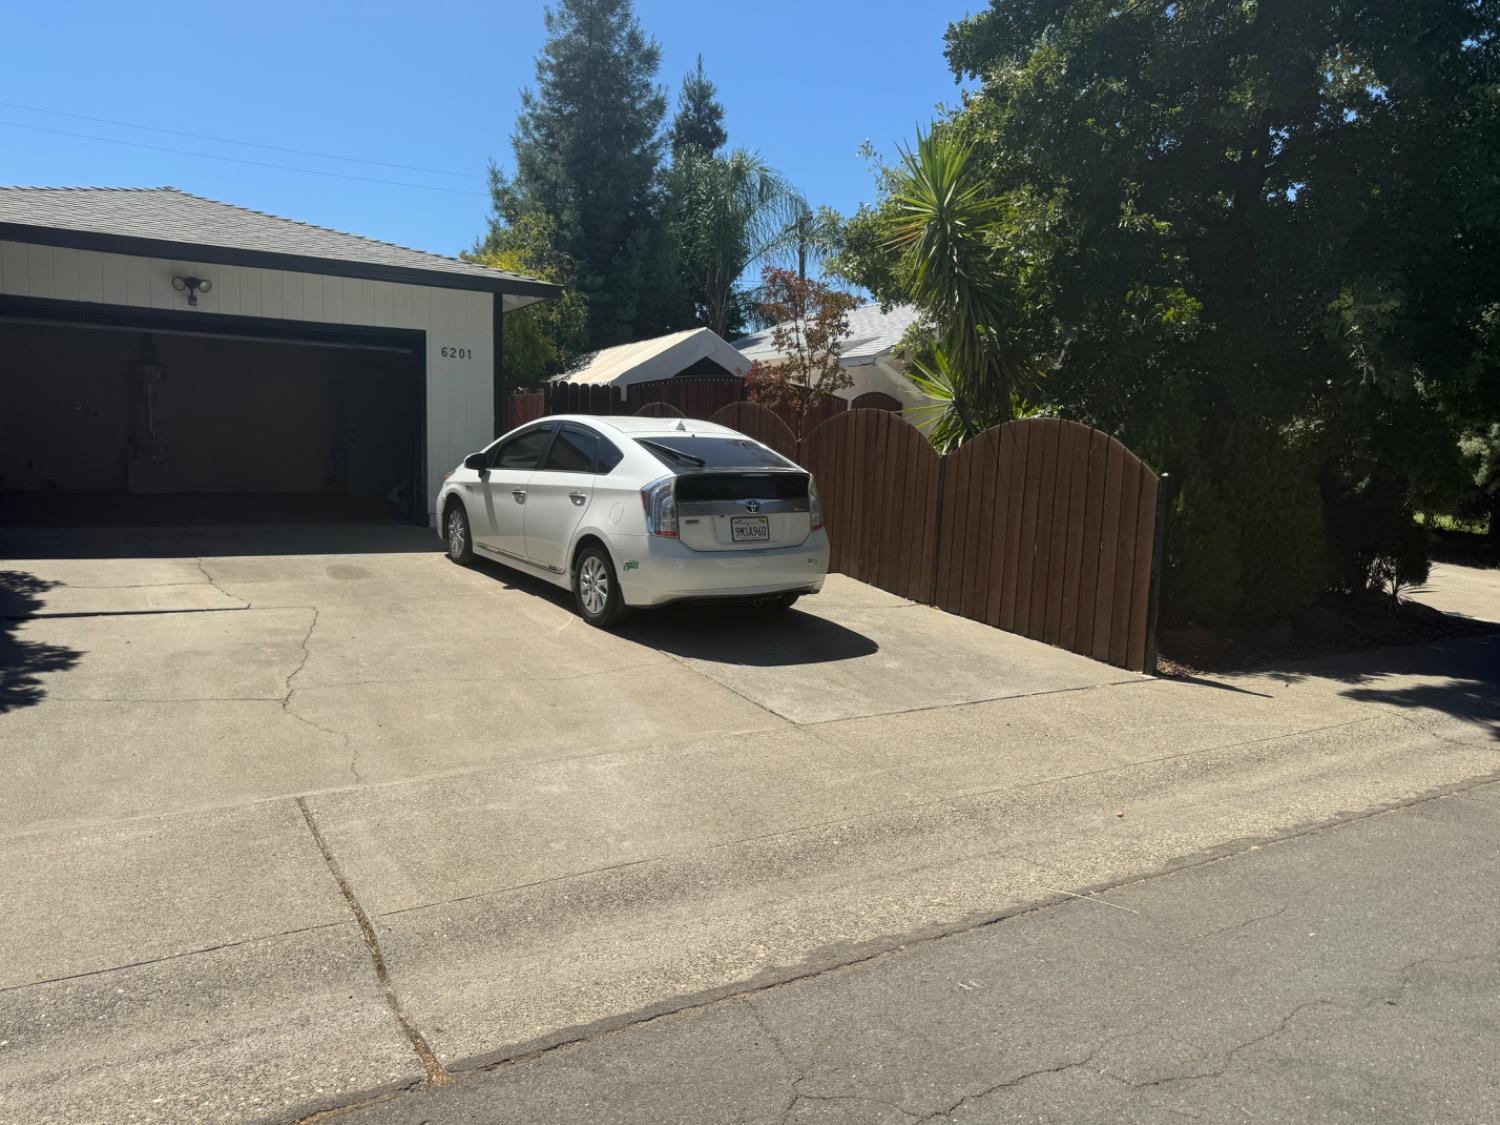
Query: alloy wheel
[{"x": 593, "y": 585}]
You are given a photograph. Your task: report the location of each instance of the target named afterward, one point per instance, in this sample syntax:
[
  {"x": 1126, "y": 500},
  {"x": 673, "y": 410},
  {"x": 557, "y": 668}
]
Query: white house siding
[{"x": 460, "y": 392}]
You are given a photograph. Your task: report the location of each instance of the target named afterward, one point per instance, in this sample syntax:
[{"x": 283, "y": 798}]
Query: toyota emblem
[{"x": 752, "y": 505}]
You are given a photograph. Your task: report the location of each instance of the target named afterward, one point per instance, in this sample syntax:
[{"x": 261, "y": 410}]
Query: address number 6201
[{"x": 456, "y": 353}]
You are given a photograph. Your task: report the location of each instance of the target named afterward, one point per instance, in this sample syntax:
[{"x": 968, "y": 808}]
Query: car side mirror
[{"x": 475, "y": 461}]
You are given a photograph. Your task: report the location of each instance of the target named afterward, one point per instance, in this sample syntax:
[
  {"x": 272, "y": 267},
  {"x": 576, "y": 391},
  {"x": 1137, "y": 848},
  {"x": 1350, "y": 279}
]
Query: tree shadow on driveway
[
  {"x": 23, "y": 662},
  {"x": 1459, "y": 679}
]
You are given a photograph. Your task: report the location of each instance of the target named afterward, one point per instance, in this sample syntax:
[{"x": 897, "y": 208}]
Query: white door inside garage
[{"x": 105, "y": 423}]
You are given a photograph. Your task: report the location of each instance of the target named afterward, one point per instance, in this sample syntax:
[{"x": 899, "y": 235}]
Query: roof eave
[{"x": 266, "y": 259}]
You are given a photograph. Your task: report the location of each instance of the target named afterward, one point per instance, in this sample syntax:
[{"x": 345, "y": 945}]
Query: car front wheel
[
  {"x": 596, "y": 589},
  {"x": 456, "y": 534}
]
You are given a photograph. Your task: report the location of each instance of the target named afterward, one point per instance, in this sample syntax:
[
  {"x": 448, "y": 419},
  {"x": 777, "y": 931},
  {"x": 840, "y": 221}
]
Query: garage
[{"x": 168, "y": 359}]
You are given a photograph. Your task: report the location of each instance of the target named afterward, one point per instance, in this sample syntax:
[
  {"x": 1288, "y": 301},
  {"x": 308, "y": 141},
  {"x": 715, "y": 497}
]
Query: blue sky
[{"x": 433, "y": 86}]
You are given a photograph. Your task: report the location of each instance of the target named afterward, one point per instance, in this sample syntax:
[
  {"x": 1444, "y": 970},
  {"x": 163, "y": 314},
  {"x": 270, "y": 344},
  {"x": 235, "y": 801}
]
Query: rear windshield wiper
[{"x": 660, "y": 447}]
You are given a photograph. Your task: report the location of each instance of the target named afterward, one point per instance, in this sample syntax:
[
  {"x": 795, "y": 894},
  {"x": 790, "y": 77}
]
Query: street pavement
[
  {"x": 298, "y": 820},
  {"x": 1349, "y": 974}
]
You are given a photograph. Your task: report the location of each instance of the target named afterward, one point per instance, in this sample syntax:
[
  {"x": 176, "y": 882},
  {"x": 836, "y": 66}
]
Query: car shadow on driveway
[
  {"x": 742, "y": 634},
  {"x": 22, "y": 662},
  {"x": 723, "y": 634}
]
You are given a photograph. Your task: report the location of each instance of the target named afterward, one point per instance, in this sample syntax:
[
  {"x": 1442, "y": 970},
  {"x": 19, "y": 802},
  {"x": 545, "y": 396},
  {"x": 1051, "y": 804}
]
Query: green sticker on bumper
[{"x": 631, "y": 564}]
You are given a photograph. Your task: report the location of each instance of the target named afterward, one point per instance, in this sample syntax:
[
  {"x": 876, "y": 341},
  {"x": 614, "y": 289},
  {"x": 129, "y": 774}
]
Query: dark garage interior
[{"x": 122, "y": 425}]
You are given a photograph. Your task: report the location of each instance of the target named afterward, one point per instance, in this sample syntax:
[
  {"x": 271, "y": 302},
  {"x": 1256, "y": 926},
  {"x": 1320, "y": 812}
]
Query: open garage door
[{"x": 148, "y": 423}]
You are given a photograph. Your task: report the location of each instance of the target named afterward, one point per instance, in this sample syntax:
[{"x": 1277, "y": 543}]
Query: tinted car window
[
  {"x": 523, "y": 451},
  {"x": 608, "y": 457},
  {"x": 686, "y": 451},
  {"x": 572, "y": 452}
]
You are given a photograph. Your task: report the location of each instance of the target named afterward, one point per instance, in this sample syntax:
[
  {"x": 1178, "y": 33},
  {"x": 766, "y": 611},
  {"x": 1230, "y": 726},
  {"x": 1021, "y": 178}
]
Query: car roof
[{"x": 633, "y": 425}]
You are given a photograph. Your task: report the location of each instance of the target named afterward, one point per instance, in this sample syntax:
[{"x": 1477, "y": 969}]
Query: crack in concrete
[
  {"x": 437, "y": 1075},
  {"x": 288, "y": 691},
  {"x": 171, "y": 957},
  {"x": 212, "y": 581}
]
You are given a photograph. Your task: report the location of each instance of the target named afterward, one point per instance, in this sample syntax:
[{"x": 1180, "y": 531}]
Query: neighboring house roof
[
  {"x": 872, "y": 334},
  {"x": 662, "y": 357},
  {"x": 166, "y": 222}
]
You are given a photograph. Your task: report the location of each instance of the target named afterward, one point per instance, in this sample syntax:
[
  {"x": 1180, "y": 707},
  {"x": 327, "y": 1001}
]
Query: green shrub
[
  {"x": 1372, "y": 530},
  {"x": 1402, "y": 562},
  {"x": 1277, "y": 508},
  {"x": 1202, "y": 580}
]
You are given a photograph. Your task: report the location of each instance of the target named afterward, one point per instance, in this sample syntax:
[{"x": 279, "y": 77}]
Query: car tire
[
  {"x": 596, "y": 590},
  {"x": 780, "y": 603},
  {"x": 457, "y": 535}
]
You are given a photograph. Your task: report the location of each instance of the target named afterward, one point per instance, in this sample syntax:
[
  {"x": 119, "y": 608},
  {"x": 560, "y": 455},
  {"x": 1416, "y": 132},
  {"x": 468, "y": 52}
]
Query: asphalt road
[{"x": 1348, "y": 974}]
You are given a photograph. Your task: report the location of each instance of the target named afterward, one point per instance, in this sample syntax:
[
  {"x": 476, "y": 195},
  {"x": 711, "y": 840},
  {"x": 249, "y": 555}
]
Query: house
[
  {"x": 696, "y": 351},
  {"x": 153, "y": 341},
  {"x": 868, "y": 353}
]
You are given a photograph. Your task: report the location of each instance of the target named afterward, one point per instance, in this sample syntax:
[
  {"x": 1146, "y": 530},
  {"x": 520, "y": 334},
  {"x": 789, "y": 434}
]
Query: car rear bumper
[{"x": 654, "y": 570}]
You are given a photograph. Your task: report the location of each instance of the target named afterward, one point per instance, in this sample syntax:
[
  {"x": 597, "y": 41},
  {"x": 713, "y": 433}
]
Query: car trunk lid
[{"x": 740, "y": 510}]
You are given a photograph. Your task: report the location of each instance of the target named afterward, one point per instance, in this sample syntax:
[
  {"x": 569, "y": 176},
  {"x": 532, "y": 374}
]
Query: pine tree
[
  {"x": 588, "y": 149},
  {"x": 700, "y": 116}
]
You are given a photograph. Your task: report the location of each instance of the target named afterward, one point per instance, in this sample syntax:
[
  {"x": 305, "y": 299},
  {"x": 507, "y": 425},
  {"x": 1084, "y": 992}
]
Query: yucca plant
[{"x": 942, "y": 222}]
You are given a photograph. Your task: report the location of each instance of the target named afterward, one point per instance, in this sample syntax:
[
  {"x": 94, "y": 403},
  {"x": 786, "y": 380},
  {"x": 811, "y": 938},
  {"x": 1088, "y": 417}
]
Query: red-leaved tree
[{"x": 811, "y": 323}]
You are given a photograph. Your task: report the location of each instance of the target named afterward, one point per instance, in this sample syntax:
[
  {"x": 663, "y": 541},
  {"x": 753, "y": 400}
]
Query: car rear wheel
[
  {"x": 456, "y": 534},
  {"x": 596, "y": 589}
]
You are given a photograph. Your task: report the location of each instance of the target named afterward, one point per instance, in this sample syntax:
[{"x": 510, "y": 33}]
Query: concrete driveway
[{"x": 296, "y": 818}]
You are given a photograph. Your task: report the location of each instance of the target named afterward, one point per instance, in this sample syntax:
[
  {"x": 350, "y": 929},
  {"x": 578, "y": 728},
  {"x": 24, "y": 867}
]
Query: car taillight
[
  {"x": 659, "y": 498},
  {"x": 814, "y": 509}
]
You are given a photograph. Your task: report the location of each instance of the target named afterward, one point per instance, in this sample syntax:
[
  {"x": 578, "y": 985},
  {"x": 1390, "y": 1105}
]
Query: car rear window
[{"x": 689, "y": 451}]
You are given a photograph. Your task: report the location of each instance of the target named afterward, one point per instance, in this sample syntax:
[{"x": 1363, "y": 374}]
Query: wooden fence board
[
  {"x": 1093, "y": 522},
  {"x": 1080, "y": 449},
  {"x": 1015, "y": 500},
  {"x": 1109, "y": 549},
  {"x": 982, "y": 494},
  {"x": 1041, "y": 566},
  {"x": 896, "y": 485},
  {"x": 1130, "y": 495},
  {"x": 1058, "y": 552},
  {"x": 1140, "y": 591},
  {"x": 1026, "y": 545},
  {"x": 1005, "y": 457}
]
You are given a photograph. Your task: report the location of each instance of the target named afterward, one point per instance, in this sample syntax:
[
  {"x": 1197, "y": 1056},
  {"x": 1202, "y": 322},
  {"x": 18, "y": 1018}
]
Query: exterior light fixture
[{"x": 193, "y": 285}]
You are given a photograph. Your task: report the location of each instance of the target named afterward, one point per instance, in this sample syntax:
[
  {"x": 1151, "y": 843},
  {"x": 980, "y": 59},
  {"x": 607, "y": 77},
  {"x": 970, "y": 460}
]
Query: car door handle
[
  {"x": 578, "y": 497},
  {"x": 519, "y": 494}
]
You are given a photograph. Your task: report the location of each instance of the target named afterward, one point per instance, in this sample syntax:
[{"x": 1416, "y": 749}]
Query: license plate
[{"x": 750, "y": 529}]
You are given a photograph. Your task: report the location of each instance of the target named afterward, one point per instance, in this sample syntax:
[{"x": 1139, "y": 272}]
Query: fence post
[
  {"x": 1166, "y": 493},
  {"x": 937, "y": 529}
]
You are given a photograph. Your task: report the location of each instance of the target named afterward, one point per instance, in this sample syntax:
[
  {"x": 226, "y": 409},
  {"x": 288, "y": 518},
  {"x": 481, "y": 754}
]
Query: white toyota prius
[{"x": 631, "y": 511}]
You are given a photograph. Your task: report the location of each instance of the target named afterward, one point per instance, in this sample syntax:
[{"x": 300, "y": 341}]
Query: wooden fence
[{"x": 1042, "y": 527}]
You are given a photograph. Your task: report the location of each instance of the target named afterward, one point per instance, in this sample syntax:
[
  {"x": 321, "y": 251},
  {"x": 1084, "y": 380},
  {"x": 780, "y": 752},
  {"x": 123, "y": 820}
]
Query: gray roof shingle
[
  {"x": 872, "y": 333},
  {"x": 84, "y": 216}
]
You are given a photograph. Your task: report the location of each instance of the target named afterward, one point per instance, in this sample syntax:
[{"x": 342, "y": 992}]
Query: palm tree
[
  {"x": 942, "y": 222},
  {"x": 730, "y": 212}
]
